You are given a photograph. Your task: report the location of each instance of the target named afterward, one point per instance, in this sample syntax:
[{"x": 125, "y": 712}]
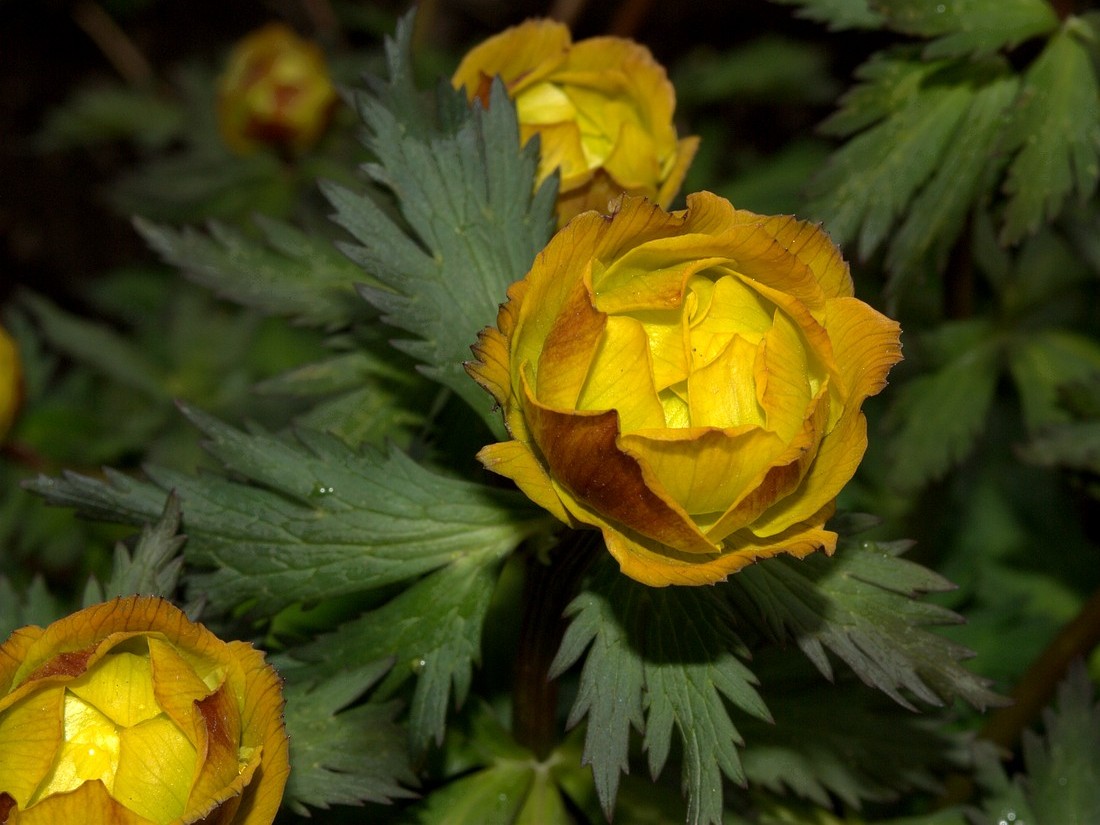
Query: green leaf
[
  {"x": 471, "y": 223},
  {"x": 153, "y": 568},
  {"x": 343, "y": 756},
  {"x": 1041, "y": 363},
  {"x": 491, "y": 796},
  {"x": 286, "y": 272},
  {"x": 35, "y": 605},
  {"x": 940, "y": 414},
  {"x": 432, "y": 629},
  {"x": 673, "y": 652},
  {"x": 839, "y": 14},
  {"x": 861, "y": 605},
  {"x": 1056, "y": 129},
  {"x": 98, "y": 115},
  {"x": 827, "y": 741},
  {"x": 98, "y": 346},
  {"x": 968, "y": 28},
  {"x": 938, "y": 213},
  {"x": 870, "y": 181},
  {"x": 318, "y": 519},
  {"x": 1062, "y": 780}
]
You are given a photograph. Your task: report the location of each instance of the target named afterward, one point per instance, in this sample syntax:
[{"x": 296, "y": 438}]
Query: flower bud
[
  {"x": 602, "y": 109},
  {"x": 689, "y": 383},
  {"x": 127, "y": 712},
  {"x": 275, "y": 92},
  {"x": 11, "y": 382}
]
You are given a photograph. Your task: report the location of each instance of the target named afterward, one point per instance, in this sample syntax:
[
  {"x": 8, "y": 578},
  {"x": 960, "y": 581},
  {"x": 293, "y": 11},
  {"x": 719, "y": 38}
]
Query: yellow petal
[
  {"x": 30, "y": 736},
  {"x": 121, "y": 687},
  {"x": 634, "y": 160},
  {"x": 673, "y": 177},
  {"x": 90, "y": 750},
  {"x": 782, "y": 378},
  {"x": 723, "y": 392},
  {"x": 866, "y": 344},
  {"x": 156, "y": 767},
  {"x": 263, "y": 731},
  {"x": 621, "y": 377},
  {"x": 569, "y": 349},
  {"x": 177, "y": 688},
  {"x": 13, "y": 653},
  {"x": 523, "y": 53},
  {"x": 561, "y": 148},
  {"x": 514, "y": 460},
  {"x": 705, "y": 470},
  {"x": 90, "y": 804}
]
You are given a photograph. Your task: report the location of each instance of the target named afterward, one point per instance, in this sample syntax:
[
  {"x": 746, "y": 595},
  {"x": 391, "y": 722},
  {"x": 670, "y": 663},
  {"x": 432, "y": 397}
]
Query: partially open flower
[
  {"x": 127, "y": 712},
  {"x": 602, "y": 107},
  {"x": 11, "y": 382},
  {"x": 688, "y": 383},
  {"x": 275, "y": 92}
]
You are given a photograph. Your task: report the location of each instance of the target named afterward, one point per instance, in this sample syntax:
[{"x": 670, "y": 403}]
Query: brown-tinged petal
[
  {"x": 583, "y": 455},
  {"x": 569, "y": 349},
  {"x": 218, "y": 754}
]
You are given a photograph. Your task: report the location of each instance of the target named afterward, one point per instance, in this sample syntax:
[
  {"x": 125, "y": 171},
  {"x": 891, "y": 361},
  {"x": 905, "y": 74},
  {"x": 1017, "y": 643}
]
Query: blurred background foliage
[{"x": 913, "y": 144}]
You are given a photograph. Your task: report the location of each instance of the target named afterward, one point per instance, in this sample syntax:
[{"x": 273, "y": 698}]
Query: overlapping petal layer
[
  {"x": 602, "y": 108},
  {"x": 128, "y": 712},
  {"x": 689, "y": 383}
]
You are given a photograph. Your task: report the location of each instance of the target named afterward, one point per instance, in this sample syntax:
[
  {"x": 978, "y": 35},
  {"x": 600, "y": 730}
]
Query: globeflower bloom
[
  {"x": 689, "y": 383},
  {"x": 602, "y": 108},
  {"x": 11, "y": 382},
  {"x": 127, "y": 712},
  {"x": 275, "y": 91}
]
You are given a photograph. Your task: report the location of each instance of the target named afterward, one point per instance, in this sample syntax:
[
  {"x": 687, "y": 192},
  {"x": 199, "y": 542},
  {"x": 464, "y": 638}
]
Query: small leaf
[
  {"x": 674, "y": 650},
  {"x": 35, "y": 605},
  {"x": 1062, "y": 780},
  {"x": 870, "y": 181},
  {"x": 938, "y": 213},
  {"x": 861, "y": 605},
  {"x": 969, "y": 28},
  {"x": 471, "y": 222},
  {"x": 343, "y": 756},
  {"x": 153, "y": 569},
  {"x": 839, "y": 14},
  {"x": 318, "y": 520},
  {"x": 1056, "y": 129},
  {"x": 942, "y": 413},
  {"x": 432, "y": 629},
  {"x": 291, "y": 274}
]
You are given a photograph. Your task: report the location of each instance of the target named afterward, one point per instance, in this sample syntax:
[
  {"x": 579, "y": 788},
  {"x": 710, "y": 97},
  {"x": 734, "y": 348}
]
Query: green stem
[{"x": 547, "y": 590}]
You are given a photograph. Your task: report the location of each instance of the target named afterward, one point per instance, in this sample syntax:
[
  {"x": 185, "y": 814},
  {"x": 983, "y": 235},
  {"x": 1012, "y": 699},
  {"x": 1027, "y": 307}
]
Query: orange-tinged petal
[
  {"x": 155, "y": 769},
  {"x": 569, "y": 349},
  {"x": 90, "y": 804},
  {"x": 866, "y": 344},
  {"x": 219, "y": 762},
  {"x": 177, "y": 688},
  {"x": 30, "y": 737},
  {"x": 582, "y": 454},
  {"x": 514, "y": 460},
  {"x": 524, "y": 53},
  {"x": 13, "y": 653}
]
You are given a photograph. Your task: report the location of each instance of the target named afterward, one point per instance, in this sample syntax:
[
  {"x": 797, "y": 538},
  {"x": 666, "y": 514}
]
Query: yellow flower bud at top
[
  {"x": 11, "y": 382},
  {"x": 127, "y": 712},
  {"x": 602, "y": 108},
  {"x": 275, "y": 92},
  {"x": 689, "y": 384}
]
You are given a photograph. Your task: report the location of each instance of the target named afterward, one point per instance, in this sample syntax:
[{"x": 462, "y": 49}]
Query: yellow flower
[
  {"x": 127, "y": 712},
  {"x": 275, "y": 92},
  {"x": 689, "y": 383},
  {"x": 11, "y": 382},
  {"x": 602, "y": 107}
]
